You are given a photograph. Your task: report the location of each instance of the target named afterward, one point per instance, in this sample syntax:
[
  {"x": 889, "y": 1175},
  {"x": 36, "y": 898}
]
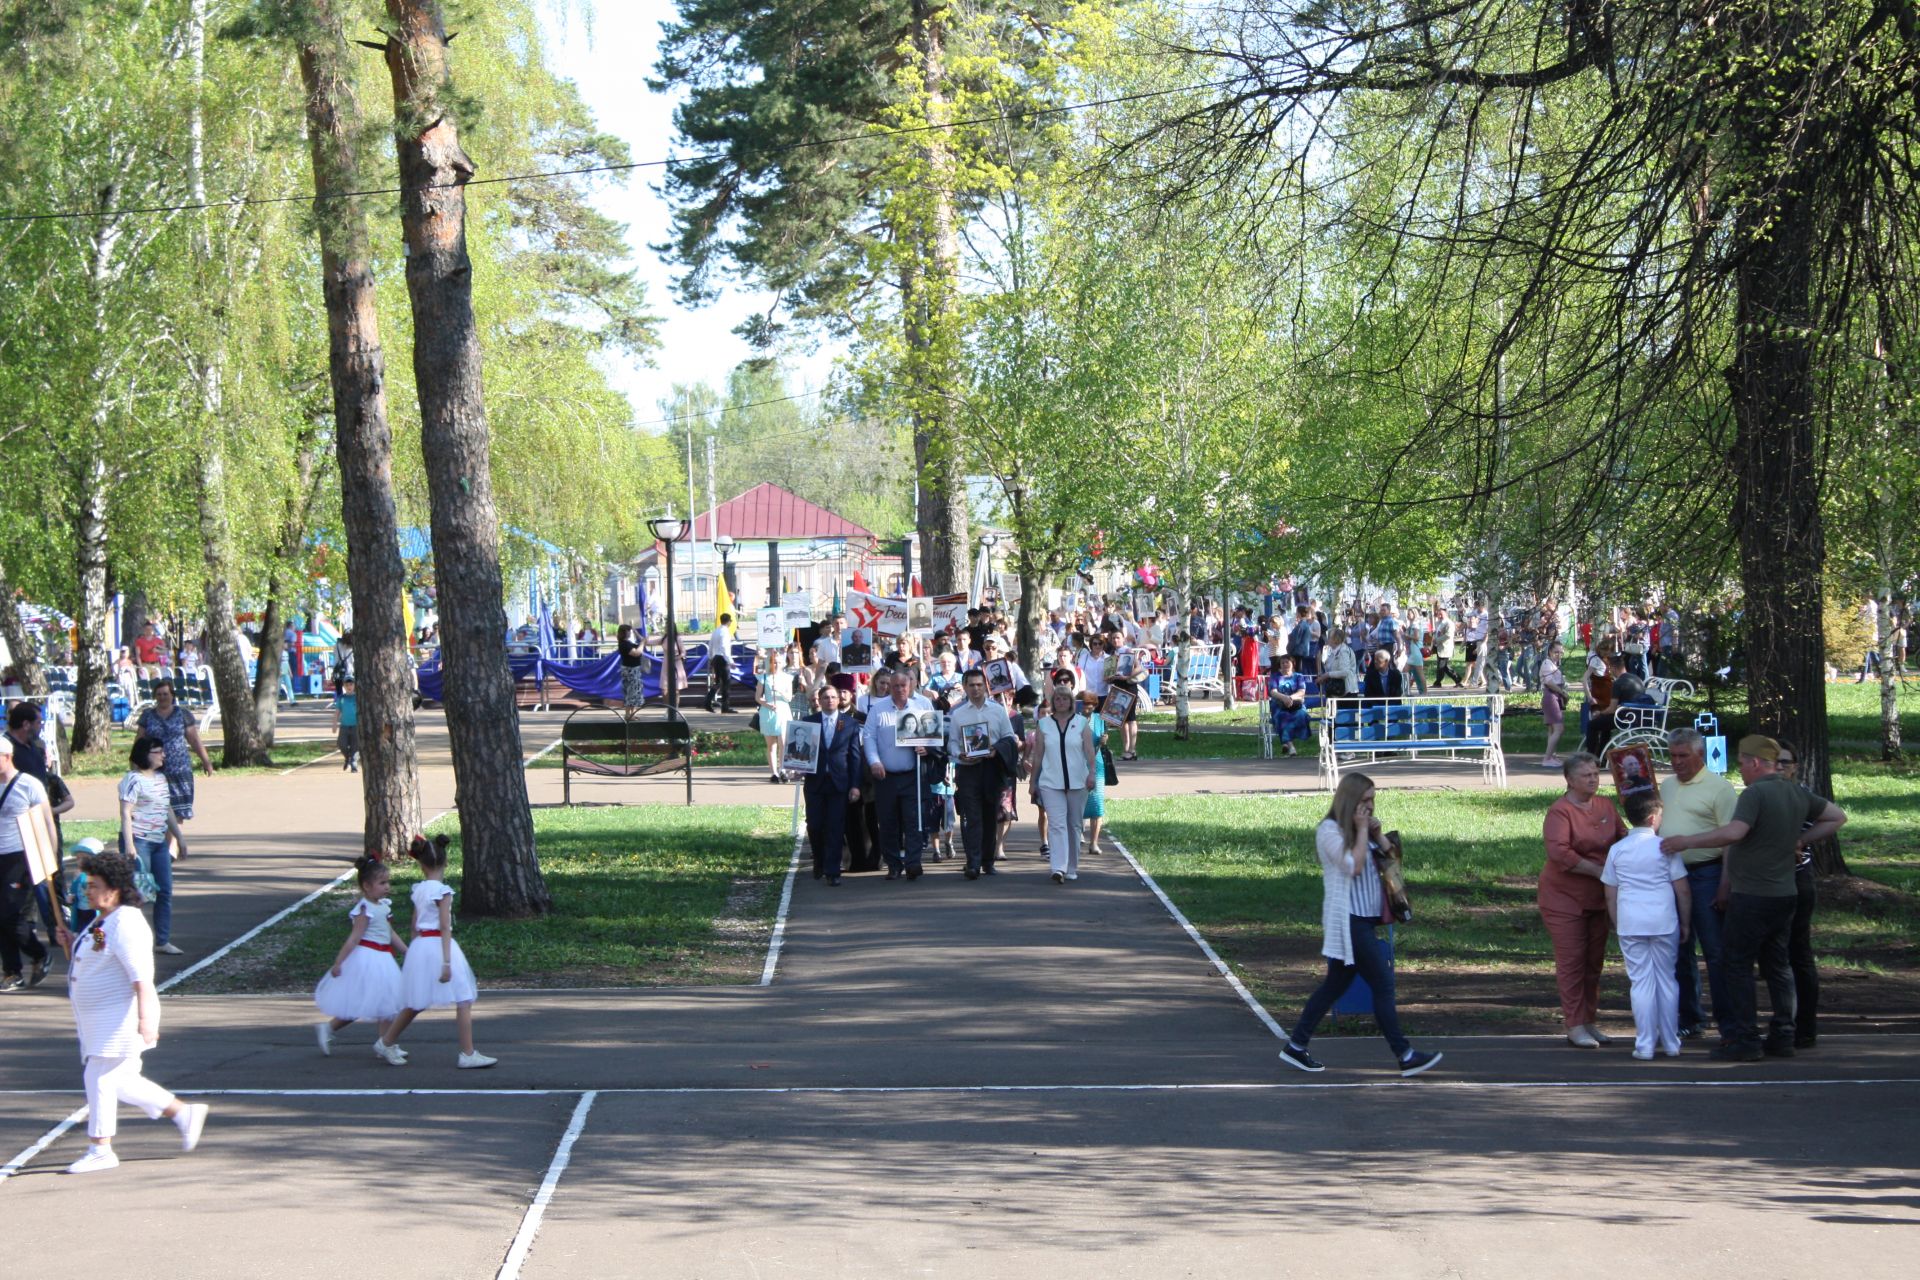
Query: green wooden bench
[{"x": 613, "y": 742}]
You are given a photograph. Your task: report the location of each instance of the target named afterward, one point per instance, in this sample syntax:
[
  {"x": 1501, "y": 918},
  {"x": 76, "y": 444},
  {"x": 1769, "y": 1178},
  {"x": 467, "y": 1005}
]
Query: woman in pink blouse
[{"x": 1580, "y": 828}]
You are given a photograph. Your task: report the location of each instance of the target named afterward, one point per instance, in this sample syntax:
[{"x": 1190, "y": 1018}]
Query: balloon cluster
[{"x": 1147, "y": 575}]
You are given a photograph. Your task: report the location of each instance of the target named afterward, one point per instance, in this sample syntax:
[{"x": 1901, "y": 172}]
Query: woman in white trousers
[
  {"x": 110, "y": 980},
  {"x": 1064, "y": 758}
]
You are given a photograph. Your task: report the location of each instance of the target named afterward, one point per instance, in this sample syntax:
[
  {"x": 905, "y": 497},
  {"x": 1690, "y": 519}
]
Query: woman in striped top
[
  {"x": 1350, "y": 918},
  {"x": 110, "y": 981},
  {"x": 146, "y": 819}
]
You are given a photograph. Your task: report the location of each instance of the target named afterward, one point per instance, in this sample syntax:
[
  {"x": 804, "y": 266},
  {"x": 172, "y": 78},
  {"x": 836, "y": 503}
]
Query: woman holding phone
[{"x": 1350, "y": 917}]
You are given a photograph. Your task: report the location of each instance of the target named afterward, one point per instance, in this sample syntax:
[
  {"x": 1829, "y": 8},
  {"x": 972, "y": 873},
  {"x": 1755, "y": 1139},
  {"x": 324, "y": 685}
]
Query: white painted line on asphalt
[
  {"x": 541, "y": 752},
  {"x": 530, "y": 1224},
  {"x": 779, "y": 938},
  {"x": 304, "y": 763},
  {"x": 1268, "y": 1086},
  {"x": 1239, "y": 987},
  {"x": 47, "y": 1139},
  {"x": 272, "y": 920}
]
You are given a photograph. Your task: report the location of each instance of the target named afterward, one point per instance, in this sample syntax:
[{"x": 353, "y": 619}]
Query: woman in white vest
[{"x": 1063, "y": 759}]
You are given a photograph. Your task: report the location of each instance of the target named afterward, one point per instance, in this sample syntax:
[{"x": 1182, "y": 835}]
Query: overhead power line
[
  {"x": 544, "y": 175},
  {"x": 698, "y": 414}
]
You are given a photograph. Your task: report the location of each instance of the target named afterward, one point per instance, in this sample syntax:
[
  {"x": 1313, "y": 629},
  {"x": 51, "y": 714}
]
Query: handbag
[
  {"x": 1112, "y": 777},
  {"x": 1389, "y": 860}
]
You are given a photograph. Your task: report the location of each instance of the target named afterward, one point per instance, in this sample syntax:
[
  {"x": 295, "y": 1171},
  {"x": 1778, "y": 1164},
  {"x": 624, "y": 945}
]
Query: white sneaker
[
  {"x": 475, "y": 1060},
  {"x": 1073, "y": 875},
  {"x": 1642, "y": 1057},
  {"x": 391, "y": 1053},
  {"x": 97, "y": 1160},
  {"x": 1593, "y": 1029},
  {"x": 191, "y": 1120},
  {"x": 1581, "y": 1038},
  {"x": 168, "y": 949},
  {"x": 323, "y": 1032}
]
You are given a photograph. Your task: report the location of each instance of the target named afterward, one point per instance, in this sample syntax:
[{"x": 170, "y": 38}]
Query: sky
[{"x": 609, "y": 56}]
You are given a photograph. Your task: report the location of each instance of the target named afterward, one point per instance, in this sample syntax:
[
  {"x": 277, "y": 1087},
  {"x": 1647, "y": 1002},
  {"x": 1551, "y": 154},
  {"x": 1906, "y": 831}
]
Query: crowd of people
[
  {"x": 927, "y": 750},
  {"x": 883, "y": 793}
]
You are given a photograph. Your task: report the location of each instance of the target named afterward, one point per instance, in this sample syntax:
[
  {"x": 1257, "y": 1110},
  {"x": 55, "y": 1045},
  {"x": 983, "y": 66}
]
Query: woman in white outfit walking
[
  {"x": 110, "y": 981},
  {"x": 1064, "y": 758}
]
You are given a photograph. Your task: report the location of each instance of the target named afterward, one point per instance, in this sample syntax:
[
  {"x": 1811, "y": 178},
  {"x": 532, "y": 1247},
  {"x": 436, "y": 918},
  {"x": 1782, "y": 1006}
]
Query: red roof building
[
  {"x": 781, "y": 544},
  {"x": 768, "y": 513}
]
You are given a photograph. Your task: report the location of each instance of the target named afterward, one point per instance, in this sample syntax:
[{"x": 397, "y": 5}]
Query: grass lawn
[
  {"x": 112, "y": 762},
  {"x": 644, "y": 895},
  {"x": 1476, "y": 956}
]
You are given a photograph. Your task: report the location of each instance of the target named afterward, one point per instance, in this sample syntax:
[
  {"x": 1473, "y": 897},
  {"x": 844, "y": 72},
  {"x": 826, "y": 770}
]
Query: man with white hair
[{"x": 1696, "y": 800}]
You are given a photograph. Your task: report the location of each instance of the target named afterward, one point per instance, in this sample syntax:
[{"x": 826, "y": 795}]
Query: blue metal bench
[{"x": 1356, "y": 731}]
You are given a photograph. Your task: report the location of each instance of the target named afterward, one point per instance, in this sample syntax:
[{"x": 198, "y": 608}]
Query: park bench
[
  {"x": 615, "y": 742},
  {"x": 1638, "y": 724},
  {"x": 1356, "y": 731}
]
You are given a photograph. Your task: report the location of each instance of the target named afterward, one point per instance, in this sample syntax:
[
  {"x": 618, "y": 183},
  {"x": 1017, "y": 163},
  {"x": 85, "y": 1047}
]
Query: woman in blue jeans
[
  {"x": 1346, "y": 841},
  {"x": 146, "y": 819}
]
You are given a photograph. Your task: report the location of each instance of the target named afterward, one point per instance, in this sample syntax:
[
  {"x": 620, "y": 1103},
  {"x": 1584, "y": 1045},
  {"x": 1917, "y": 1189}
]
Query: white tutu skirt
[
  {"x": 420, "y": 985},
  {"x": 368, "y": 988}
]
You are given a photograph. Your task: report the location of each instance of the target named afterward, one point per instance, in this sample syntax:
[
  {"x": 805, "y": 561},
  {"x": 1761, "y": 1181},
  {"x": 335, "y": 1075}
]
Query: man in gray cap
[{"x": 1772, "y": 821}]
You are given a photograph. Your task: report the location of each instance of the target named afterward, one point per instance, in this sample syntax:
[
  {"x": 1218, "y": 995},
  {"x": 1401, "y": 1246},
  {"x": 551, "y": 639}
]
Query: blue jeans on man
[{"x": 1703, "y": 882}]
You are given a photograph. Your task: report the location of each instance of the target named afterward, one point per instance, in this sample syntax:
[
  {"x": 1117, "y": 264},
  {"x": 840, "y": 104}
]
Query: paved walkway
[{"x": 1003, "y": 1078}]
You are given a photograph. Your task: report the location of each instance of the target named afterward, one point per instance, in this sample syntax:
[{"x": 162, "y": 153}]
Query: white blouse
[
  {"x": 109, "y": 957},
  {"x": 427, "y": 896},
  {"x": 1063, "y": 755},
  {"x": 379, "y": 920}
]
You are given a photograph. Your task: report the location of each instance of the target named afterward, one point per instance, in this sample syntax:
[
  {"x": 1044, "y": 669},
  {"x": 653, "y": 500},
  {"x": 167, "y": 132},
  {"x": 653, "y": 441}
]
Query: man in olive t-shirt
[{"x": 1773, "y": 819}]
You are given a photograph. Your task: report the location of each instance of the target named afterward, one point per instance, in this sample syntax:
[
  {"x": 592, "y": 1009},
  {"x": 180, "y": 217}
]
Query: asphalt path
[{"x": 997, "y": 1078}]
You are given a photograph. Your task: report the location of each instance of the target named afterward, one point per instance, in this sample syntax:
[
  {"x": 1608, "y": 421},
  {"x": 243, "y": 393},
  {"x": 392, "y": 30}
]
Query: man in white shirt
[
  {"x": 720, "y": 665},
  {"x": 20, "y": 793},
  {"x": 826, "y": 648},
  {"x": 898, "y": 784},
  {"x": 973, "y": 729}
]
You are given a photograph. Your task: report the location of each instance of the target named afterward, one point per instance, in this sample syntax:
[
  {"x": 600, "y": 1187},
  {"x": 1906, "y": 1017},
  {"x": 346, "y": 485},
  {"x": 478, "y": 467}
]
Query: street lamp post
[
  {"x": 724, "y": 544},
  {"x": 987, "y": 543},
  {"x": 667, "y": 529}
]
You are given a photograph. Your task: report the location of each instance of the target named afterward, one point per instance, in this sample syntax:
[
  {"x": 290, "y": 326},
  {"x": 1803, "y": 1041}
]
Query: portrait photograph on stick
[{"x": 800, "y": 749}]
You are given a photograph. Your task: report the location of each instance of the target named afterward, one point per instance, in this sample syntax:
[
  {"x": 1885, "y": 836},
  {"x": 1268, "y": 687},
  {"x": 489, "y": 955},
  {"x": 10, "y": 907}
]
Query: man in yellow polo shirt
[{"x": 1696, "y": 801}]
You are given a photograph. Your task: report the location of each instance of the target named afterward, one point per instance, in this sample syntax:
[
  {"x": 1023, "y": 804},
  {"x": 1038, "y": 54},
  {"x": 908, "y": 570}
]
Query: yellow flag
[{"x": 723, "y": 599}]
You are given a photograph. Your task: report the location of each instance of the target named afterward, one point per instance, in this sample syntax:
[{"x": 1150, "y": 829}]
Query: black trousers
[
  {"x": 1806, "y": 972},
  {"x": 976, "y": 795},
  {"x": 18, "y": 907},
  {"x": 719, "y": 684},
  {"x": 903, "y": 833},
  {"x": 1757, "y": 929},
  {"x": 826, "y": 828}
]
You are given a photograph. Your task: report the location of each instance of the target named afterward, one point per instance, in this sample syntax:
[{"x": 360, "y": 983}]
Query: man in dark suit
[
  {"x": 1383, "y": 679},
  {"x": 834, "y": 783}
]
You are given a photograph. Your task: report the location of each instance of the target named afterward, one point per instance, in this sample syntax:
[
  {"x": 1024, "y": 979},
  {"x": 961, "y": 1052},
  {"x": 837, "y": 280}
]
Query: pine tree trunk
[
  {"x": 501, "y": 874},
  {"x": 389, "y": 766},
  {"x": 1777, "y": 505},
  {"x": 26, "y": 662},
  {"x": 927, "y": 301}
]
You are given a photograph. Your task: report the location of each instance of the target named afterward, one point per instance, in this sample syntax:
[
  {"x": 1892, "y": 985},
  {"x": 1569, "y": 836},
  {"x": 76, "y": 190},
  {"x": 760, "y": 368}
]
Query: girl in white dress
[
  {"x": 436, "y": 973},
  {"x": 110, "y": 981},
  {"x": 364, "y": 983}
]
